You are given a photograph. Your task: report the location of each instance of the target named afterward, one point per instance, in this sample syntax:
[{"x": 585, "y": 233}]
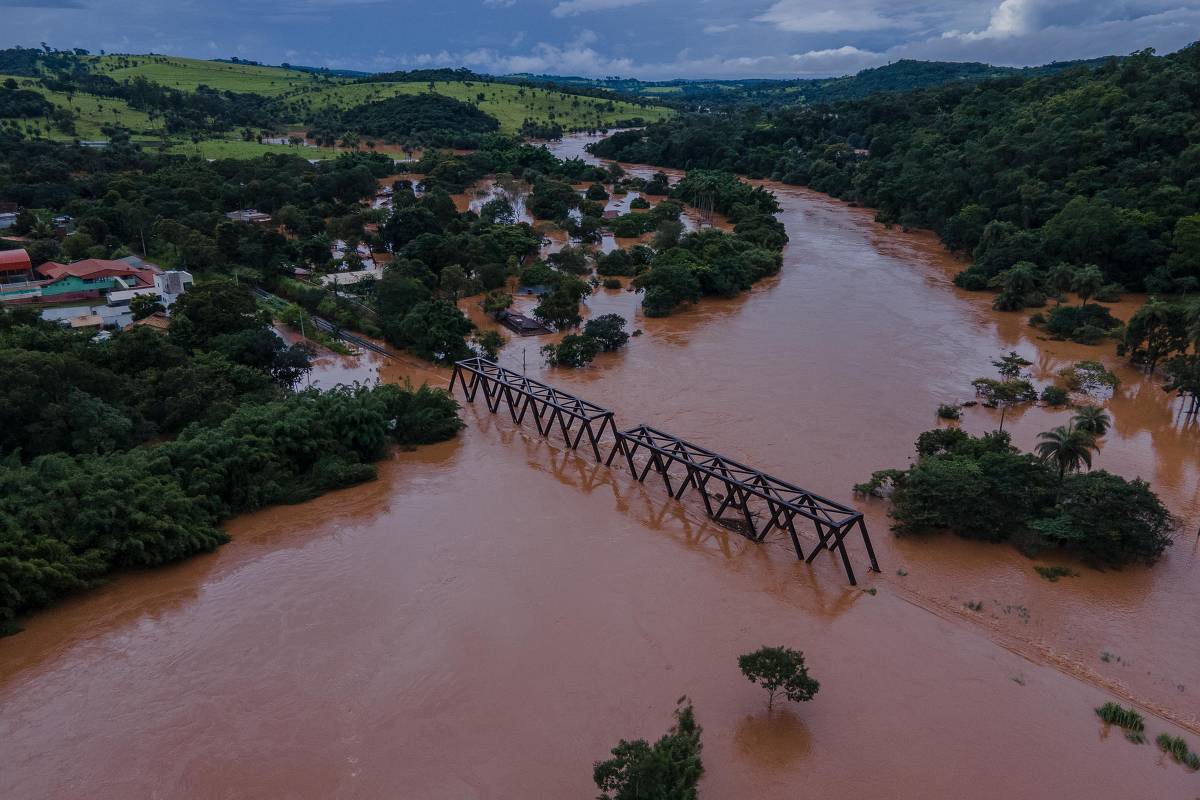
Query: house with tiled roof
[
  {"x": 92, "y": 277},
  {"x": 79, "y": 280}
]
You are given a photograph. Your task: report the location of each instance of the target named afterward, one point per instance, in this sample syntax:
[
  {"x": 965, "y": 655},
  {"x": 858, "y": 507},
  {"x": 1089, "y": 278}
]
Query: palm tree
[
  {"x": 1067, "y": 447},
  {"x": 1092, "y": 419}
]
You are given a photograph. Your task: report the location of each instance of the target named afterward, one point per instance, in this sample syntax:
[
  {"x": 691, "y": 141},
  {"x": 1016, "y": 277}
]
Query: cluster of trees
[
  {"x": 171, "y": 209},
  {"x": 130, "y": 452},
  {"x": 428, "y": 118},
  {"x": 984, "y": 488},
  {"x": 1092, "y": 165},
  {"x": 605, "y": 333},
  {"x": 16, "y": 103}
]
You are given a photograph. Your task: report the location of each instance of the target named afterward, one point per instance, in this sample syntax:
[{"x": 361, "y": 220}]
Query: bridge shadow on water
[{"x": 770, "y": 563}]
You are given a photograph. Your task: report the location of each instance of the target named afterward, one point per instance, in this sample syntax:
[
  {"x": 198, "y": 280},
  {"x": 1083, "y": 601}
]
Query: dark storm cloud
[{"x": 646, "y": 38}]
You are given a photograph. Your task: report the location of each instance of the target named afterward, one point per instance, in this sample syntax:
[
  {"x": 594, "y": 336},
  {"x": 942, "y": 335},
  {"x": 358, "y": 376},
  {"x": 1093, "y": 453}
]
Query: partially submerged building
[{"x": 521, "y": 324}]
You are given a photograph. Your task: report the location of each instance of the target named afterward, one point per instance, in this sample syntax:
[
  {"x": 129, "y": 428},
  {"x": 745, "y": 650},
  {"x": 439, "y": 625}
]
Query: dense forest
[
  {"x": 1092, "y": 166},
  {"x": 130, "y": 452},
  {"x": 430, "y": 118}
]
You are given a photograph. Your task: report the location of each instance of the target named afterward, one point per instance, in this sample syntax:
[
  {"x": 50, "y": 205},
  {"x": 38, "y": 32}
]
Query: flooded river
[{"x": 493, "y": 614}]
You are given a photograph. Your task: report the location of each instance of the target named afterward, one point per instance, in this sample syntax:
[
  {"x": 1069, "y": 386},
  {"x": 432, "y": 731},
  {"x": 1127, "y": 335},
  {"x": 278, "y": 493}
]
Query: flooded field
[{"x": 493, "y": 614}]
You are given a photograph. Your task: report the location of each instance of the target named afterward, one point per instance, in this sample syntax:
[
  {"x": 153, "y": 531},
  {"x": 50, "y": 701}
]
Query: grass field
[
  {"x": 230, "y": 148},
  {"x": 303, "y": 93},
  {"x": 91, "y": 112},
  {"x": 188, "y": 73},
  {"x": 510, "y": 104}
]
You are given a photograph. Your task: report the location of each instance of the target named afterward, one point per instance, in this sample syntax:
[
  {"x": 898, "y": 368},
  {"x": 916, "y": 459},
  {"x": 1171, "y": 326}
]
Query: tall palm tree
[
  {"x": 1092, "y": 419},
  {"x": 1067, "y": 447}
]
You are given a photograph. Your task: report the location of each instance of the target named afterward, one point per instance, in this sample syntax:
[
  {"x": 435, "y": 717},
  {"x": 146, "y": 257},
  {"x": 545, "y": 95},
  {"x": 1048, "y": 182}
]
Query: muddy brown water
[{"x": 494, "y": 613}]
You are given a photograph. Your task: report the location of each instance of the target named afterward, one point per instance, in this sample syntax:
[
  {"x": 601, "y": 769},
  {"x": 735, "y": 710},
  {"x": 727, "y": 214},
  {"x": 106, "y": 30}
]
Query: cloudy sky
[{"x": 649, "y": 39}]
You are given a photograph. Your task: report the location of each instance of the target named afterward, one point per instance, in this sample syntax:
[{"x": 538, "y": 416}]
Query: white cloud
[
  {"x": 712, "y": 29},
  {"x": 499, "y": 3},
  {"x": 1010, "y": 18},
  {"x": 571, "y": 8},
  {"x": 804, "y": 16}
]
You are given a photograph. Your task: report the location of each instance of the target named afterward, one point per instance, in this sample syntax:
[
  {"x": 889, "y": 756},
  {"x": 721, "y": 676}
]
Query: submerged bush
[
  {"x": 1177, "y": 748},
  {"x": 982, "y": 488},
  {"x": 949, "y": 411},
  {"x": 1055, "y": 396},
  {"x": 1126, "y": 718}
]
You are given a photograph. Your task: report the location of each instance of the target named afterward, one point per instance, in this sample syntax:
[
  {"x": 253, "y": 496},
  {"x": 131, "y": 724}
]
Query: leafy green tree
[
  {"x": 670, "y": 769},
  {"x": 436, "y": 330},
  {"x": 1108, "y": 520},
  {"x": 1183, "y": 377},
  {"x": 1156, "y": 331},
  {"x": 608, "y": 330},
  {"x": 489, "y": 343},
  {"x": 1011, "y": 365},
  {"x": 1017, "y": 285},
  {"x": 496, "y": 301},
  {"x": 1066, "y": 447},
  {"x": 575, "y": 350},
  {"x": 454, "y": 281},
  {"x": 1087, "y": 282},
  {"x": 779, "y": 670},
  {"x": 211, "y": 309},
  {"x": 560, "y": 308},
  {"x": 143, "y": 305}
]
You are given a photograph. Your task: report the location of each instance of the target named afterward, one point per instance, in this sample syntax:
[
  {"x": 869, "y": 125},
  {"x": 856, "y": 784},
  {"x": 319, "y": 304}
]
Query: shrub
[
  {"x": 1126, "y": 718},
  {"x": 1055, "y": 396},
  {"x": 1177, "y": 748},
  {"x": 949, "y": 411},
  {"x": 1090, "y": 377},
  {"x": 1070, "y": 322},
  {"x": 639, "y": 202}
]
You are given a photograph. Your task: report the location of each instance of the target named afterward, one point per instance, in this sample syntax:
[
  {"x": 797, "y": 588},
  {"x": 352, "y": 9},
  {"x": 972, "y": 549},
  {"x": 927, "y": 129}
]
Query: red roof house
[{"x": 15, "y": 266}]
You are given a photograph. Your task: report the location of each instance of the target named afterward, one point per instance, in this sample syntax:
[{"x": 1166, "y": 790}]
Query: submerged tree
[
  {"x": 1093, "y": 420},
  {"x": 779, "y": 670},
  {"x": 667, "y": 770}
]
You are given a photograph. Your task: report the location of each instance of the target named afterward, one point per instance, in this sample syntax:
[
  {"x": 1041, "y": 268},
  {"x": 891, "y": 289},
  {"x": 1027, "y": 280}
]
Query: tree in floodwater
[
  {"x": 608, "y": 330},
  {"x": 1093, "y": 420},
  {"x": 1066, "y": 447},
  {"x": 1087, "y": 282},
  {"x": 489, "y": 343},
  {"x": 667, "y": 770},
  {"x": 1156, "y": 331},
  {"x": 779, "y": 670}
]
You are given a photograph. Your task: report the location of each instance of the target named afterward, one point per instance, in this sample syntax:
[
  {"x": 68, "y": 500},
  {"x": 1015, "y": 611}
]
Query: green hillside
[
  {"x": 265, "y": 99},
  {"x": 90, "y": 113},
  {"x": 509, "y": 104},
  {"x": 188, "y": 73}
]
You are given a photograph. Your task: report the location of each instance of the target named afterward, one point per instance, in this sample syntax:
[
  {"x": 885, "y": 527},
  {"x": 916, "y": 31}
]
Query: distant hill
[
  {"x": 234, "y": 102},
  {"x": 898, "y": 76},
  {"x": 907, "y": 74}
]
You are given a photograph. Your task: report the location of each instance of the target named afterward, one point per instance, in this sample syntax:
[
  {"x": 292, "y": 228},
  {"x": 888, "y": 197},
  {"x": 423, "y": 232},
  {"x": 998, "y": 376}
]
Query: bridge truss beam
[{"x": 551, "y": 409}]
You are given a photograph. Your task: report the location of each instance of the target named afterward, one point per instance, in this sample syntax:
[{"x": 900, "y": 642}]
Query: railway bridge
[{"x": 735, "y": 495}]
